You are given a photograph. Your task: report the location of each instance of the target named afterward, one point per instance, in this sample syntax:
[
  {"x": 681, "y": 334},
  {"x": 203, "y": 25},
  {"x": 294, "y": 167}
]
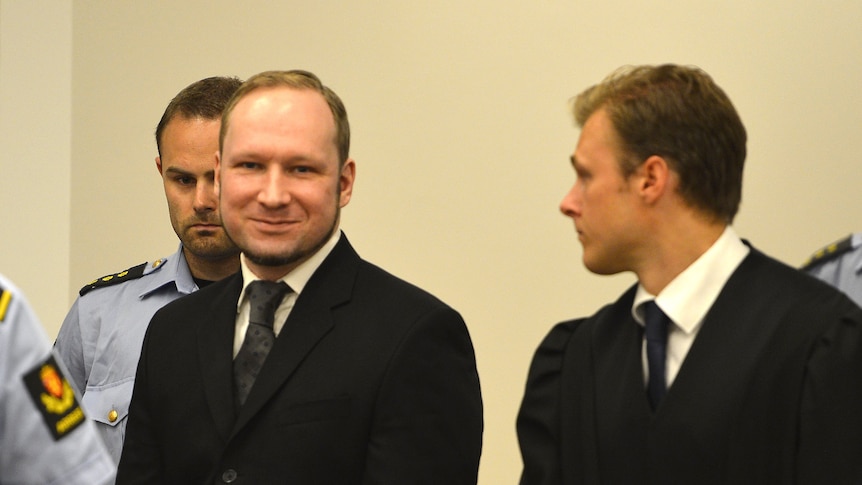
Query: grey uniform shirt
[
  {"x": 840, "y": 265},
  {"x": 44, "y": 436},
  {"x": 100, "y": 339}
]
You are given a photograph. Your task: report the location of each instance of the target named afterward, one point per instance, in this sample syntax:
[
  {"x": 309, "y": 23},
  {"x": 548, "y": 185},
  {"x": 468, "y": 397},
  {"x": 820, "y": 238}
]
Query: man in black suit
[
  {"x": 721, "y": 365},
  {"x": 369, "y": 379}
]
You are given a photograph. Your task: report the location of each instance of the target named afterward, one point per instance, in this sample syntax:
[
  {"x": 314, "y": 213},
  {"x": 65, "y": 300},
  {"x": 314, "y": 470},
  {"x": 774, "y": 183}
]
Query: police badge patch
[
  {"x": 5, "y": 299},
  {"x": 54, "y": 398}
]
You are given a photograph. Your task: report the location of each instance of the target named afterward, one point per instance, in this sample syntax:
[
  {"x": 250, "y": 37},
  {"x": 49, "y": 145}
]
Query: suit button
[
  {"x": 228, "y": 476},
  {"x": 112, "y": 415}
]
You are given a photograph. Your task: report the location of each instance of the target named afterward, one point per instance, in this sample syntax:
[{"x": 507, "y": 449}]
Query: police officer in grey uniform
[
  {"x": 840, "y": 265},
  {"x": 44, "y": 435},
  {"x": 101, "y": 337}
]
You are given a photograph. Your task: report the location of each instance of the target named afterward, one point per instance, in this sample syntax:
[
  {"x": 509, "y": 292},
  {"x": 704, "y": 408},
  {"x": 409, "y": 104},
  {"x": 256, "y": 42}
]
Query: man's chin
[
  {"x": 211, "y": 248},
  {"x": 273, "y": 260},
  {"x": 600, "y": 268}
]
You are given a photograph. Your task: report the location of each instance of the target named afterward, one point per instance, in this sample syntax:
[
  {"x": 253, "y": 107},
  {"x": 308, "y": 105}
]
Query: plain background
[{"x": 461, "y": 133}]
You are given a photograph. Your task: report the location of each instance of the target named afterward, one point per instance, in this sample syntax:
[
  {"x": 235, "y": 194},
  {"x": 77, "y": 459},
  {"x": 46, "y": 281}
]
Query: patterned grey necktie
[{"x": 264, "y": 298}]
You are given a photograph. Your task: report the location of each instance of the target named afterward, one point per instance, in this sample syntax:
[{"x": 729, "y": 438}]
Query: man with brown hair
[
  {"x": 721, "y": 365},
  {"x": 310, "y": 365},
  {"x": 100, "y": 339}
]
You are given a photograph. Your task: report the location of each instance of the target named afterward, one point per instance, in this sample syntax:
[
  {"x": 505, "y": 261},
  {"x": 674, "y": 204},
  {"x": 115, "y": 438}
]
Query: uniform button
[
  {"x": 228, "y": 476},
  {"x": 112, "y": 415}
]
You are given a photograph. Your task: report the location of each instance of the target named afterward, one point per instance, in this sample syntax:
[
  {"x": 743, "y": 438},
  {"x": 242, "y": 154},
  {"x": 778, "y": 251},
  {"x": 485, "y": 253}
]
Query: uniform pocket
[{"x": 109, "y": 405}]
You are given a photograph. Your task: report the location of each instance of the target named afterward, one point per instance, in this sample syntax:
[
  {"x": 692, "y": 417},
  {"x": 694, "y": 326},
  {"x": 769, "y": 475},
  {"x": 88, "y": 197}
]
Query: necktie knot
[
  {"x": 264, "y": 298},
  {"x": 655, "y": 329},
  {"x": 656, "y": 322}
]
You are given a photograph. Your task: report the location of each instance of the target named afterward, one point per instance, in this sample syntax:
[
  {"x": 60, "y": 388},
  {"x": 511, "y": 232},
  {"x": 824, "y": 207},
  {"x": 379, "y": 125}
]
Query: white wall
[
  {"x": 461, "y": 135},
  {"x": 35, "y": 152}
]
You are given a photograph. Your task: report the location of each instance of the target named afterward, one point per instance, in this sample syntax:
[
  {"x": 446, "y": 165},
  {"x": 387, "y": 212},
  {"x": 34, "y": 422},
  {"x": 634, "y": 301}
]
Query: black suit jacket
[
  {"x": 770, "y": 392},
  {"x": 371, "y": 381}
]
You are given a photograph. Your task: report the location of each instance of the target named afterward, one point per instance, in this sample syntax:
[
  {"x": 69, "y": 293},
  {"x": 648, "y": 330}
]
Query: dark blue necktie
[
  {"x": 656, "y": 326},
  {"x": 264, "y": 298}
]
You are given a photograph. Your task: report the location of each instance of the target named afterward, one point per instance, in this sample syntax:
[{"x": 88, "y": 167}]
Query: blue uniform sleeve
[
  {"x": 44, "y": 436},
  {"x": 69, "y": 348}
]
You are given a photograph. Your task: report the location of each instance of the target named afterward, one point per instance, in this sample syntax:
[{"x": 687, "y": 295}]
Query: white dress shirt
[
  {"x": 689, "y": 296},
  {"x": 296, "y": 280}
]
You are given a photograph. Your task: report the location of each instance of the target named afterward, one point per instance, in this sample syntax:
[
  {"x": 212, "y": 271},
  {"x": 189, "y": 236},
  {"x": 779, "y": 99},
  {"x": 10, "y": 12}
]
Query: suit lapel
[
  {"x": 215, "y": 353},
  {"x": 622, "y": 410},
  {"x": 309, "y": 322},
  {"x": 717, "y": 369},
  {"x": 609, "y": 417},
  {"x": 617, "y": 340}
]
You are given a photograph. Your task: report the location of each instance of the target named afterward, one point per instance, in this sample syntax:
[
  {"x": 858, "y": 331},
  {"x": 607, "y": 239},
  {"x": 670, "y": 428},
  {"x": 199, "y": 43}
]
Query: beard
[
  {"x": 214, "y": 247},
  {"x": 210, "y": 245},
  {"x": 293, "y": 258}
]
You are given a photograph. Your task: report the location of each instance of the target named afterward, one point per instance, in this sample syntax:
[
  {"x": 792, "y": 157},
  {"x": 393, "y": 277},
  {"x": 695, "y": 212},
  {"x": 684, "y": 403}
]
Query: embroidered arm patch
[
  {"x": 54, "y": 397},
  {"x": 5, "y": 300}
]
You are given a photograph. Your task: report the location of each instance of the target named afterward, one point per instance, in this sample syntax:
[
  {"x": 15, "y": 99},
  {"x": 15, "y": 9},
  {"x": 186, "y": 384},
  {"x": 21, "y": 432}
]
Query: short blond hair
[
  {"x": 680, "y": 114},
  {"x": 295, "y": 79}
]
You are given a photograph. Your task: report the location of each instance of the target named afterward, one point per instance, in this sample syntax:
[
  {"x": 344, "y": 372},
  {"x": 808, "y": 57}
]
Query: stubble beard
[
  {"x": 212, "y": 246},
  {"x": 295, "y": 256}
]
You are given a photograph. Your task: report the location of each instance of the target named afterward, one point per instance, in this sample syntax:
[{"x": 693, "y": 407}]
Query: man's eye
[{"x": 185, "y": 180}]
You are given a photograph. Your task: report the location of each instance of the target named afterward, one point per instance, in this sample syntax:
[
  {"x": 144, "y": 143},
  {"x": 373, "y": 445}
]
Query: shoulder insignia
[
  {"x": 116, "y": 278},
  {"x": 829, "y": 252},
  {"x": 54, "y": 397},
  {"x": 5, "y": 300}
]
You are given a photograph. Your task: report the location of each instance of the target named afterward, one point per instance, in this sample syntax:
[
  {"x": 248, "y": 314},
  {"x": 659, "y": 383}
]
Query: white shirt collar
[
  {"x": 687, "y": 298},
  {"x": 298, "y": 278}
]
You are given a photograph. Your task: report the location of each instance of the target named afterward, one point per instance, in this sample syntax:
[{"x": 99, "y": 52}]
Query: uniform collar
[
  {"x": 855, "y": 243},
  {"x": 173, "y": 269}
]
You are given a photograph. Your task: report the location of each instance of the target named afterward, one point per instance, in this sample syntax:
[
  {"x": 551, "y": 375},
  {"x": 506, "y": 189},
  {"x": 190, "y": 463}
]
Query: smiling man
[
  {"x": 310, "y": 365},
  {"x": 721, "y": 365},
  {"x": 100, "y": 339}
]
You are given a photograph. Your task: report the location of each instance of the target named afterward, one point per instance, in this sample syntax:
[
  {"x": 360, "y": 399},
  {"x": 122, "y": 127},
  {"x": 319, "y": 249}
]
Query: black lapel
[
  {"x": 215, "y": 351},
  {"x": 309, "y": 321},
  {"x": 622, "y": 411},
  {"x": 716, "y": 373}
]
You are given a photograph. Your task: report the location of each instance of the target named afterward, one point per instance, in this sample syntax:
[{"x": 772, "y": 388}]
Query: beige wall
[
  {"x": 461, "y": 136},
  {"x": 35, "y": 151}
]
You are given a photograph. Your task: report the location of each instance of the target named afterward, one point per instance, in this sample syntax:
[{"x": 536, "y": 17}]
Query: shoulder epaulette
[
  {"x": 829, "y": 252},
  {"x": 132, "y": 273},
  {"x": 5, "y": 300}
]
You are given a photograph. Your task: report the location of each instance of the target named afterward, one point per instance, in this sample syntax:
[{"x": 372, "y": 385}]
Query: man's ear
[
  {"x": 654, "y": 175},
  {"x": 217, "y": 171},
  {"x": 159, "y": 164},
  {"x": 345, "y": 181}
]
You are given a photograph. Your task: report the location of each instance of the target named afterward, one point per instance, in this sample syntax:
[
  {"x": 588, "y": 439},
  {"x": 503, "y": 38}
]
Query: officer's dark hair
[
  {"x": 204, "y": 99},
  {"x": 680, "y": 114},
  {"x": 295, "y": 79}
]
